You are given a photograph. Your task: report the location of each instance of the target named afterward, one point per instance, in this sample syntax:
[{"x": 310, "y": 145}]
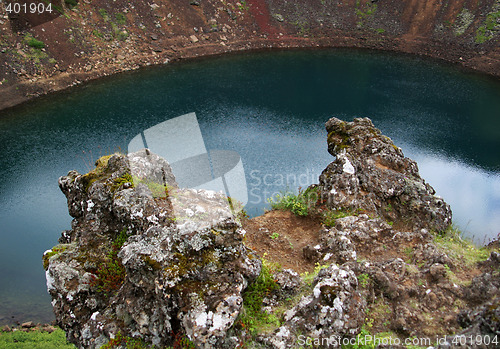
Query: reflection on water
[
  {"x": 473, "y": 193},
  {"x": 268, "y": 107}
]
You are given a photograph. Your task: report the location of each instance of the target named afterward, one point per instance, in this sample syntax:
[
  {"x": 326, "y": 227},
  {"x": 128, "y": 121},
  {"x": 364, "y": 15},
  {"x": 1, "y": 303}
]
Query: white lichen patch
[
  {"x": 90, "y": 204},
  {"x": 348, "y": 168}
]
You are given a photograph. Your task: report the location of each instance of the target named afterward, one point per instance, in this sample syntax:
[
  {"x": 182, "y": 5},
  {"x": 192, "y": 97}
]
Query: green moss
[
  {"x": 409, "y": 251},
  {"x": 34, "y": 340},
  {"x": 186, "y": 267},
  {"x": 366, "y": 13},
  {"x": 111, "y": 272},
  {"x": 237, "y": 208},
  {"x": 157, "y": 190},
  {"x": 97, "y": 33},
  {"x": 116, "y": 30},
  {"x": 364, "y": 280},
  {"x": 488, "y": 30},
  {"x": 121, "y": 35},
  {"x": 71, "y": 3},
  {"x": 251, "y": 316},
  {"x": 120, "y": 18},
  {"x": 181, "y": 341},
  {"x": 55, "y": 251},
  {"x": 333, "y": 137},
  {"x": 98, "y": 173},
  {"x": 118, "y": 182},
  {"x": 155, "y": 265},
  {"x": 32, "y": 42},
  {"x": 183, "y": 264},
  {"x": 121, "y": 341},
  {"x": 104, "y": 14},
  {"x": 303, "y": 29},
  {"x": 243, "y": 6}
]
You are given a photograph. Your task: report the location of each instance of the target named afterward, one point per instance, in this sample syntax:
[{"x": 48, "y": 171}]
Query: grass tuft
[
  {"x": 251, "y": 317},
  {"x": 32, "y": 42},
  {"x": 301, "y": 204},
  {"x": 460, "y": 248}
]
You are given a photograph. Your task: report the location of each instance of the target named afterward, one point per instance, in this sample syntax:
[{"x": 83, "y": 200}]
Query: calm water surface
[{"x": 268, "y": 107}]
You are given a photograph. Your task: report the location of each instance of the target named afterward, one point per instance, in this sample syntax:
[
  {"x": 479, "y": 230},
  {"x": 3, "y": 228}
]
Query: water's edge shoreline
[{"x": 20, "y": 93}]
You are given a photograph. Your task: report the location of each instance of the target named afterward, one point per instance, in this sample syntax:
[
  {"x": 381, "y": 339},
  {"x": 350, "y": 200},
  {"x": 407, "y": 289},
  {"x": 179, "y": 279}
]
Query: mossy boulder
[
  {"x": 370, "y": 174},
  {"x": 149, "y": 264}
]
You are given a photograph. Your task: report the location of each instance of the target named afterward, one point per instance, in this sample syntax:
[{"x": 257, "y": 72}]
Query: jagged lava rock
[
  {"x": 146, "y": 259},
  {"x": 371, "y": 174},
  {"x": 334, "y": 309}
]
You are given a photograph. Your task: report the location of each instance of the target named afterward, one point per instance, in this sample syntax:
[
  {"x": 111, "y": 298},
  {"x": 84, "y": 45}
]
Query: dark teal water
[{"x": 270, "y": 108}]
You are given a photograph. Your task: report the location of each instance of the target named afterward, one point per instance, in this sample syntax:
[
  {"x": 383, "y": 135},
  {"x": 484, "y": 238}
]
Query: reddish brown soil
[
  {"x": 83, "y": 45},
  {"x": 280, "y": 236},
  {"x": 260, "y": 12}
]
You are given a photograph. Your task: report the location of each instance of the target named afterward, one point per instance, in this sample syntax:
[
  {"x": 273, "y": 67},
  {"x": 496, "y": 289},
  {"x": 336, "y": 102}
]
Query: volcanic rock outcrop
[
  {"x": 145, "y": 259},
  {"x": 371, "y": 174},
  {"x": 148, "y": 261}
]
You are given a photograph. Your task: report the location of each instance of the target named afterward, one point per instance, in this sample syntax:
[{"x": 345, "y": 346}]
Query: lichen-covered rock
[
  {"x": 483, "y": 288},
  {"x": 145, "y": 259},
  {"x": 482, "y": 328},
  {"x": 334, "y": 309},
  {"x": 371, "y": 174},
  {"x": 337, "y": 244},
  {"x": 288, "y": 281}
]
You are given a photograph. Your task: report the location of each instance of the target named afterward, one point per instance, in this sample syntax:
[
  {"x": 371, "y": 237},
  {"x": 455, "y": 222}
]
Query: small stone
[
  {"x": 311, "y": 254},
  {"x": 437, "y": 271},
  {"x": 28, "y": 324},
  {"x": 193, "y": 39},
  {"x": 154, "y": 37},
  {"x": 6, "y": 328},
  {"x": 48, "y": 328},
  {"x": 278, "y": 17},
  {"x": 399, "y": 323},
  {"x": 494, "y": 257}
]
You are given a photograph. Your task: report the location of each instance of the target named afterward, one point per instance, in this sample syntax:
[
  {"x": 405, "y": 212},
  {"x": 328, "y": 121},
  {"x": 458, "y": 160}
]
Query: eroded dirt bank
[{"x": 45, "y": 53}]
